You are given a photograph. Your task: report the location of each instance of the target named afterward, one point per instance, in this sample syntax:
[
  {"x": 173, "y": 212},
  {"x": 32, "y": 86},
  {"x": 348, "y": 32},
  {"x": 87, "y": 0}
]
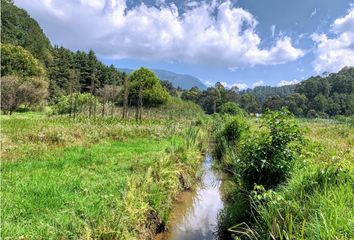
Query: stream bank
[{"x": 195, "y": 214}]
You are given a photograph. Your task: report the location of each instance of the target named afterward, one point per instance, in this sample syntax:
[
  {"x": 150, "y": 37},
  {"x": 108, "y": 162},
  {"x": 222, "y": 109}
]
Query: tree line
[
  {"x": 318, "y": 96},
  {"x": 33, "y": 72}
]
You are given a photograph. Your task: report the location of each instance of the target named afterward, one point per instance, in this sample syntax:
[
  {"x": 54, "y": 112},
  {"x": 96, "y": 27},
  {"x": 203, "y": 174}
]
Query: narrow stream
[{"x": 195, "y": 214}]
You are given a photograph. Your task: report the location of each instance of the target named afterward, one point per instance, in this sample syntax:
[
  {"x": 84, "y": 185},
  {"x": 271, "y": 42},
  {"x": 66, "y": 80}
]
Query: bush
[
  {"x": 227, "y": 134},
  {"x": 77, "y": 102},
  {"x": 10, "y": 100},
  {"x": 230, "y": 108},
  {"x": 268, "y": 158},
  {"x": 232, "y": 130}
]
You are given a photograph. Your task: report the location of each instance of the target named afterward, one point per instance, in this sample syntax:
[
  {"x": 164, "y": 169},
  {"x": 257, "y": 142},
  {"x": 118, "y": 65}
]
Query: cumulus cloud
[
  {"x": 258, "y": 83},
  {"x": 240, "y": 86},
  {"x": 287, "y": 82},
  {"x": 332, "y": 54},
  {"x": 208, "y": 33}
]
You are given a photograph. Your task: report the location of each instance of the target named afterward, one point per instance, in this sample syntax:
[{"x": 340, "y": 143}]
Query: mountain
[
  {"x": 18, "y": 28},
  {"x": 183, "y": 81}
]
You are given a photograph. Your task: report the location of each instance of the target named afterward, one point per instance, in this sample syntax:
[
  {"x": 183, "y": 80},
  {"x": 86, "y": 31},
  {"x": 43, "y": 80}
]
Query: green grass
[
  {"x": 57, "y": 193},
  {"x": 86, "y": 178},
  {"x": 317, "y": 200}
]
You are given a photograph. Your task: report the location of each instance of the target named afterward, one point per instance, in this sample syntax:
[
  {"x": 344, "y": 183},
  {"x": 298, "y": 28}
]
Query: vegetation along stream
[{"x": 195, "y": 214}]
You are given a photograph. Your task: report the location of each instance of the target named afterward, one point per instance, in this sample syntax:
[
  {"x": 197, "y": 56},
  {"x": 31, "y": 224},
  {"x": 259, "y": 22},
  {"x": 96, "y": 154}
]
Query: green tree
[
  {"x": 146, "y": 89},
  {"x": 16, "y": 60},
  {"x": 230, "y": 108},
  {"x": 273, "y": 103},
  {"x": 249, "y": 103},
  {"x": 18, "y": 28}
]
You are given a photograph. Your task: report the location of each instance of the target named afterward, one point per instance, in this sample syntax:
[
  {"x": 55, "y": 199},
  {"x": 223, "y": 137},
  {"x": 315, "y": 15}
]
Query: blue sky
[{"x": 244, "y": 43}]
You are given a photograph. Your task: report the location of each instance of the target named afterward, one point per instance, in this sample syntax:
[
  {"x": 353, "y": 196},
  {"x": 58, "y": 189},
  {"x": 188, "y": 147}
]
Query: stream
[{"x": 194, "y": 216}]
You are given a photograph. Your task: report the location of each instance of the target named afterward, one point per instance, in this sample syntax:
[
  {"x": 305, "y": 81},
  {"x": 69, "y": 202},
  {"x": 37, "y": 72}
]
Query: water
[{"x": 195, "y": 214}]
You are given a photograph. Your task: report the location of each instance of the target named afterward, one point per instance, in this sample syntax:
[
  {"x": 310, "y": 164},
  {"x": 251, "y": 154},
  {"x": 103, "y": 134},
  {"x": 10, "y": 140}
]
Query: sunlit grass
[{"x": 92, "y": 178}]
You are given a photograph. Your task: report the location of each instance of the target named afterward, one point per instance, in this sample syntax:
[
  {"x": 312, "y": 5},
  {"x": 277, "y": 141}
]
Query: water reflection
[{"x": 195, "y": 214}]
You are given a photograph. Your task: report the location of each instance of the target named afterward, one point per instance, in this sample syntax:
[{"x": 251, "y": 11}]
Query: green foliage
[
  {"x": 249, "y": 103},
  {"x": 228, "y": 132},
  {"x": 315, "y": 201},
  {"x": 267, "y": 158},
  {"x": 15, "y": 60},
  {"x": 79, "y": 102},
  {"x": 18, "y": 28},
  {"x": 230, "y": 108},
  {"x": 150, "y": 86},
  {"x": 233, "y": 130}
]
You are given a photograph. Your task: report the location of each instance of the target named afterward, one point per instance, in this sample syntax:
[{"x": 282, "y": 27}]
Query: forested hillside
[
  {"x": 18, "y": 28},
  {"x": 263, "y": 92},
  {"x": 315, "y": 97}
]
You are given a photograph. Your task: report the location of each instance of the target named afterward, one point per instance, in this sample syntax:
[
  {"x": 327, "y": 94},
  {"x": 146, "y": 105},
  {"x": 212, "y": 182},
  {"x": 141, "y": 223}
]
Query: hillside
[
  {"x": 18, "y": 28},
  {"x": 183, "y": 81}
]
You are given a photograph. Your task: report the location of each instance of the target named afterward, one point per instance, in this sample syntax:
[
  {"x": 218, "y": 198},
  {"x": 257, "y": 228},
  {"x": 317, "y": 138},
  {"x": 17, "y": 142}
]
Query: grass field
[{"x": 70, "y": 179}]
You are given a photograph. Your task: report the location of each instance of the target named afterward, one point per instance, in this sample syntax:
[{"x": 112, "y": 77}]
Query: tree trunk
[
  {"x": 103, "y": 105},
  {"x": 140, "y": 103},
  {"x": 126, "y": 95},
  {"x": 75, "y": 107},
  {"x": 71, "y": 104},
  {"x": 137, "y": 113}
]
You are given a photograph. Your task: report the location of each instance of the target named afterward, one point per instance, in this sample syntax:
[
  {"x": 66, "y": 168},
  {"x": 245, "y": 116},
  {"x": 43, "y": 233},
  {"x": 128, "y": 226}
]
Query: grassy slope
[{"x": 64, "y": 178}]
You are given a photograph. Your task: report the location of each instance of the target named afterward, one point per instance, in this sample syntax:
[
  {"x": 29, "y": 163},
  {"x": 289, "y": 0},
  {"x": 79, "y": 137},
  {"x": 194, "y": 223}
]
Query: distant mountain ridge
[{"x": 183, "y": 81}]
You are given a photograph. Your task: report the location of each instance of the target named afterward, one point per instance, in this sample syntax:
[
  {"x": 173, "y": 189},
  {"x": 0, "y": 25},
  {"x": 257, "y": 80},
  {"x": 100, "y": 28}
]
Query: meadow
[{"x": 65, "y": 178}]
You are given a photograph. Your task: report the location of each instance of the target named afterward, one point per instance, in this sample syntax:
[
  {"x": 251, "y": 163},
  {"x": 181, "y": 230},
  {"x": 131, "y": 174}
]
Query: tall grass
[
  {"x": 316, "y": 200},
  {"x": 100, "y": 178}
]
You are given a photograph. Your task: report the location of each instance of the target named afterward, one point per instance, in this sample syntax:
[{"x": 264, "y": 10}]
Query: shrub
[
  {"x": 230, "y": 108},
  {"x": 232, "y": 130},
  {"x": 268, "y": 157},
  {"x": 227, "y": 134},
  {"x": 77, "y": 102},
  {"x": 10, "y": 100}
]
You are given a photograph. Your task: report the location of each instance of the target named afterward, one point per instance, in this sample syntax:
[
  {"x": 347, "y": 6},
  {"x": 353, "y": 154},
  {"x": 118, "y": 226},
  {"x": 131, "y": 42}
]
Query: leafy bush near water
[
  {"x": 268, "y": 157},
  {"x": 315, "y": 197},
  {"x": 227, "y": 131}
]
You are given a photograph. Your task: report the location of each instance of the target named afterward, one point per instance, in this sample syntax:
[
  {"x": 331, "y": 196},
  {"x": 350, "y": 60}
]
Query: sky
[{"x": 244, "y": 43}]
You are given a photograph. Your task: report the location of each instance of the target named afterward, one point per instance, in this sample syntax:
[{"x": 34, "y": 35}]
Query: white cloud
[
  {"x": 272, "y": 30},
  {"x": 314, "y": 12},
  {"x": 208, "y": 83},
  {"x": 240, "y": 86},
  {"x": 258, "y": 83},
  {"x": 332, "y": 54},
  {"x": 286, "y": 82},
  {"x": 197, "y": 35},
  {"x": 233, "y": 69}
]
